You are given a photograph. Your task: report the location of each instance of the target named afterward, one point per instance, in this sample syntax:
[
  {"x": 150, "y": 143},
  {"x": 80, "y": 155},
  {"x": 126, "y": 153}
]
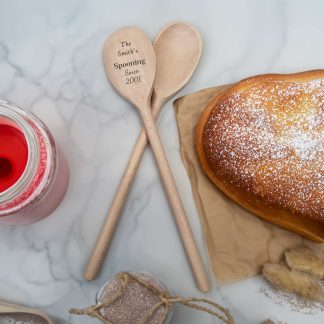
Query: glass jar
[
  {"x": 44, "y": 181},
  {"x": 133, "y": 303}
]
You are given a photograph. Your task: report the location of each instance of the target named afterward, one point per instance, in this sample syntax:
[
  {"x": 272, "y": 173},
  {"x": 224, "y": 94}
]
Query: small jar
[
  {"x": 134, "y": 302},
  {"x": 45, "y": 175}
]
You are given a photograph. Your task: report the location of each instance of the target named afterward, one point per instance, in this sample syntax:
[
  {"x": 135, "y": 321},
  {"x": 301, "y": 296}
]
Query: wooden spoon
[
  {"x": 168, "y": 64},
  {"x": 20, "y": 314},
  {"x": 177, "y": 47}
]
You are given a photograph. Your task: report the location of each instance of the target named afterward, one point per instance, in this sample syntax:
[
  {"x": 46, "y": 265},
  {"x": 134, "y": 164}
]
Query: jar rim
[{"x": 27, "y": 123}]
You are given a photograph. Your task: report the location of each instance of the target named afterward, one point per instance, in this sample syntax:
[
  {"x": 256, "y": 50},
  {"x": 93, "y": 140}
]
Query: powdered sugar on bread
[{"x": 268, "y": 139}]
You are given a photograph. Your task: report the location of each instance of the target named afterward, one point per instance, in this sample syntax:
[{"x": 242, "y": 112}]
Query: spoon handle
[
  {"x": 111, "y": 221},
  {"x": 175, "y": 201}
]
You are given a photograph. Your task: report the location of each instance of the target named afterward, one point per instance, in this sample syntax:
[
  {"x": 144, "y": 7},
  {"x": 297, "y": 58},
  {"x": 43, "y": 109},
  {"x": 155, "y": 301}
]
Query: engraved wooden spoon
[{"x": 176, "y": 63}]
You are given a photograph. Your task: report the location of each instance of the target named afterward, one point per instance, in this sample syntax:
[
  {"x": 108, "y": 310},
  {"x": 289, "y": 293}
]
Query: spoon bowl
[
  {"x": 178, "y": 49},
  {"x": 130, "y": 63}
]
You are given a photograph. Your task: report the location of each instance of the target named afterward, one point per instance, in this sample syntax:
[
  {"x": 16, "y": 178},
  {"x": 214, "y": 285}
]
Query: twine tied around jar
[{"x": 166, "y": 300}]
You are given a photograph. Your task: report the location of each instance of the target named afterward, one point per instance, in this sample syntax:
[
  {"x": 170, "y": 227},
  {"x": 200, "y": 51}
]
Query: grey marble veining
[{"x": 50, "y": 62}]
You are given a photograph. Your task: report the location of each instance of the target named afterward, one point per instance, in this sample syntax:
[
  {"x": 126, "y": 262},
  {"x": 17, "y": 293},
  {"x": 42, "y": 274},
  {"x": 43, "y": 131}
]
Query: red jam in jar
[
  {"x": 34, "y": 174},
  {"x": 13, "y": 155}
]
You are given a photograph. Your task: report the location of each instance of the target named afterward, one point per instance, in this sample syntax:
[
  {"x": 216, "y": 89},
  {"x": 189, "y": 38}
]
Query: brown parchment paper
[{"x": 238, "y": 242}]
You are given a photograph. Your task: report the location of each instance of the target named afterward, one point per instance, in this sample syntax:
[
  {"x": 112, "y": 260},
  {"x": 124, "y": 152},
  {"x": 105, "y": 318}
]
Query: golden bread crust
[{"x": 261, "y": 143}]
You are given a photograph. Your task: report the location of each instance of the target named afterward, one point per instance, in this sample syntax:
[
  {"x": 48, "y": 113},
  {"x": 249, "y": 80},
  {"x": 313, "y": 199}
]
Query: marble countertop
[{"x": 50, "y": 62}]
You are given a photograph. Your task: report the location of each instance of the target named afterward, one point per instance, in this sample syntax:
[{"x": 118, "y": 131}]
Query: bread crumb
[
  {"x": 306, "y": 260},
  {"x": 297, "y": 282}
]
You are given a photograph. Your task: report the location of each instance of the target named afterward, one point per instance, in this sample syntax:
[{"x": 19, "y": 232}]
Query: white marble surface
[{"x": 50, "y": 62}]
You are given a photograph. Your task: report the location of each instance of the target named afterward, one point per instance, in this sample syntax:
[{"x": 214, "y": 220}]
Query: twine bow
[{"x": 166, "y": 301}]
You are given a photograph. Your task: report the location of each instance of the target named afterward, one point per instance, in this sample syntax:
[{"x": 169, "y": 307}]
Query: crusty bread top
[{"x": 265, "y": 136}]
